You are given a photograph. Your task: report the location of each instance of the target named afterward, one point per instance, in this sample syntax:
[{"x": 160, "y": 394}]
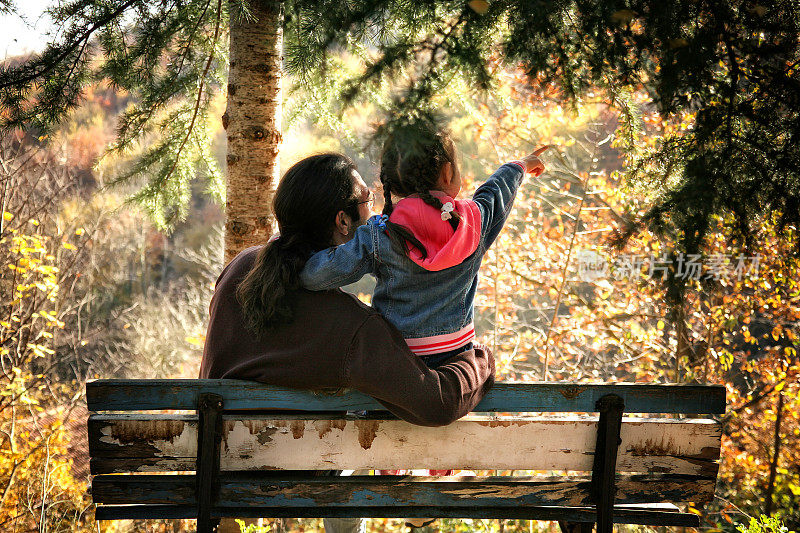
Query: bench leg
[
  {"x": 209, "y": 438},
  {"x": 604, "y": 469}
]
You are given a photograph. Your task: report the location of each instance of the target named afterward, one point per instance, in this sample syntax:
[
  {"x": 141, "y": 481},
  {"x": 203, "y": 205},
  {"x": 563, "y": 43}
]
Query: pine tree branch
[
  {"x": 191, "y": 37},
  {"x": 84, "y": 37},
  {"x": 136, "y": 120},
  {"x": 199, "y": 93}
]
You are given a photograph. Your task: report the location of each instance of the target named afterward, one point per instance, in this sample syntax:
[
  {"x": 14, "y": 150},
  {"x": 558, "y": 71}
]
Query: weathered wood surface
[
  {"x": 209, "y": 427},
  {"x": 360, "y": 491},
  {"x": 127, "y": 395},
  {"x": 570, "y": 514},
  {"x": 263, "y": 442}
]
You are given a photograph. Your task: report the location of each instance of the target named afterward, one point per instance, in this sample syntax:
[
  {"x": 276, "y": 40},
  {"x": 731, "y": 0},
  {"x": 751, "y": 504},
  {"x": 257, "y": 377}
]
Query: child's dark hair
[{"x": 413, "y": 156}]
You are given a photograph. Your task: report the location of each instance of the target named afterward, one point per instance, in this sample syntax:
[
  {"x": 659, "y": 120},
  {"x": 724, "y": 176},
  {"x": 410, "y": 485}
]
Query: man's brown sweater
[{"x": 337, "y": 341}]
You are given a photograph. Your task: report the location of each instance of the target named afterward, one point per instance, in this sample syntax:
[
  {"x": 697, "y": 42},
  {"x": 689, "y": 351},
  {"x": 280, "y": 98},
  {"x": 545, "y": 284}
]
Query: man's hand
[{"x": 533, "y": 164}]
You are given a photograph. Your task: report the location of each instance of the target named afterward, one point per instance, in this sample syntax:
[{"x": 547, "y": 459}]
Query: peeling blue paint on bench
[
  {"x": 157, "y": 394},
  {"x": 622, "y": 515},
  {"x": 280, "y": 490}
]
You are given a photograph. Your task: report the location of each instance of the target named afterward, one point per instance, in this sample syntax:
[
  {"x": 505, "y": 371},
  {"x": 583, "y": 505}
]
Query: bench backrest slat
[
  {"x": 258, "y": 442},
  {"x": 155, "y": 394}
]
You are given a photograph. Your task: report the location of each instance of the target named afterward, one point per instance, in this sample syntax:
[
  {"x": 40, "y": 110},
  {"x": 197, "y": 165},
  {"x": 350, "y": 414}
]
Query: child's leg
[
  {"x": 433, "y": 361},
  {"x": 437, "y": 359},
  {"x": 345, "y": 525}
]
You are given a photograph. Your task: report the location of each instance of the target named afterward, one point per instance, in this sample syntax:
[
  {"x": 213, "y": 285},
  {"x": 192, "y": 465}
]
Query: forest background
[{"x": 95, "y": 285}]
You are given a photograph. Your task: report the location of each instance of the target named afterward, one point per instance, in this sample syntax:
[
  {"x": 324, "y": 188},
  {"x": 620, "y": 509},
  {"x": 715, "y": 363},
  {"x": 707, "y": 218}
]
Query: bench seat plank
[
  {"x": 270, "y": 442},
  {"x": 160, "y": 394},
  {"x": 360, "y": 491},
  {"x": 568, "y": 514}
]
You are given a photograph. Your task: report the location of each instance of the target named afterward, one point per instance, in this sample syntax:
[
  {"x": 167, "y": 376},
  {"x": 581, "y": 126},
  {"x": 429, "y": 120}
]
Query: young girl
[{"x": 426, "y": 249}]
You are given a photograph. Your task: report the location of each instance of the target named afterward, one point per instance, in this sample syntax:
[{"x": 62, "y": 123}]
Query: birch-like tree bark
[{"x": 252, "y": 121}]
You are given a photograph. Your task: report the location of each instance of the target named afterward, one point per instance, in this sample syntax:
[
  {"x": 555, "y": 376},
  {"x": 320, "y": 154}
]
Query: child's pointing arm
[
  {"x": 496, "y": 196},
  {"x": 340, "y": 265}
]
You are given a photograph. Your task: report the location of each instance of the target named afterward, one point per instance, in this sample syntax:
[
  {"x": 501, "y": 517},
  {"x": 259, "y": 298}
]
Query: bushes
[{"x": 37, "y": 257}]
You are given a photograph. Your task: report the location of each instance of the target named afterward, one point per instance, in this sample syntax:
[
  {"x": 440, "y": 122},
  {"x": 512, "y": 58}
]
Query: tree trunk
[
  {"x": 776, "y": 454},
  {"x": 682, "y": 350},
  {"x": 252, "y": 121}
]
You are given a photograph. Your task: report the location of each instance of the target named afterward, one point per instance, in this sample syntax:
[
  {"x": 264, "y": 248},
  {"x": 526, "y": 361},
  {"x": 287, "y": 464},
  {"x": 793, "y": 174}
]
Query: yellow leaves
[
  {"x": 50, "y": 318},
  {"x": 40, "y": 350},
  {"x": 68, "y": 246},
  {"x": 26, "y": 399},
  {"x": 725, "y": 358},
  {"x": 196, "y": 340},
  {"x": 748, "y": 338},
  {"x": 35, "y": 283},
  {"x": 562, "y": 142},
  {"x": 7, "y": 216},
  {"x": 48, "y": 269},
  {"x": 79, "y": 232},
  {"x": 38, "y": 445}
]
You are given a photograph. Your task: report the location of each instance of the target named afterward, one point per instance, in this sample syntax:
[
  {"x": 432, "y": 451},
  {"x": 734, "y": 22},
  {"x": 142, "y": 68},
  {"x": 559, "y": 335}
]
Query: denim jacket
[{"x": 433, "y": 309}]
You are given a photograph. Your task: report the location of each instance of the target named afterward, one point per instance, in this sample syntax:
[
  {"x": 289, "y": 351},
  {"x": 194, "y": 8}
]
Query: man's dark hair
[{"x": 306, "y": 202}]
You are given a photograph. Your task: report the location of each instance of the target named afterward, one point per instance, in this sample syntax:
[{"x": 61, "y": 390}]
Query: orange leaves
[{"x": 479, "y": 6}]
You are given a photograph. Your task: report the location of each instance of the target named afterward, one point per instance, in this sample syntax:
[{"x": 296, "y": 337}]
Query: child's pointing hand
[{"x": 532, "y": 162}]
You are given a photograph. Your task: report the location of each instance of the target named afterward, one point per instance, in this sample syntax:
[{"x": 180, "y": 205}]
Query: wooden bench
[{"x": 229, "y": 457}]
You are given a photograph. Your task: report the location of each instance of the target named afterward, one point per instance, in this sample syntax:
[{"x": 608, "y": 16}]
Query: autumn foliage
[{"x": 89, "y": 287}]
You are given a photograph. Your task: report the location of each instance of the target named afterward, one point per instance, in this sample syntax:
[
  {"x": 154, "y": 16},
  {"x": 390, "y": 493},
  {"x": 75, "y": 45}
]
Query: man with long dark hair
[{"x": 265, "y": 327}]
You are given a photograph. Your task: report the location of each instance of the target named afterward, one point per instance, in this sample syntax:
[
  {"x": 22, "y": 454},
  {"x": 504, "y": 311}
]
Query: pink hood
[{"x": 446, "y": 248}]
